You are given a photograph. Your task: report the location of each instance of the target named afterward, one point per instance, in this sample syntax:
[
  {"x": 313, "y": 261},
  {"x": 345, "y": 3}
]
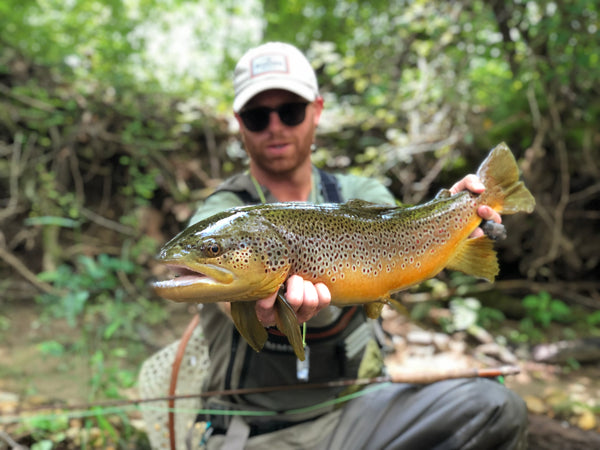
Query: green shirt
[{"x": 351, "y": 187}]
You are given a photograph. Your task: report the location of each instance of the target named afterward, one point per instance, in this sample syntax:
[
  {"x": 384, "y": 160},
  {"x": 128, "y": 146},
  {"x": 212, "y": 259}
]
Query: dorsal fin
[{"x": 364, "y": 206}]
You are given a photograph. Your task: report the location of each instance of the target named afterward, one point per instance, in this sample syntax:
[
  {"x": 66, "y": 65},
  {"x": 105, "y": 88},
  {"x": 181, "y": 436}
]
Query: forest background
[{"x": 115, "y": 121}]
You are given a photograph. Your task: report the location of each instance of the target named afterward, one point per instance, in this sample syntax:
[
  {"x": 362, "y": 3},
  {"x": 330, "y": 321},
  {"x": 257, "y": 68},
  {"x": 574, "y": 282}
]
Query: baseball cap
[{"x": 274, "y": 65}]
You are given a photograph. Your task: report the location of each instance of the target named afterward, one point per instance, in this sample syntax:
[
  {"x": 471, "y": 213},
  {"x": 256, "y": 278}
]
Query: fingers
[
  {"x": 469, "y": 183},
  {"x": 473, "y": 183},
  {"x": 487, "y": 213},
  {"x": 323, "y": 301},
  {"x": 305, "y": 298},
  {"x": 302, "y": 297},
  {"x": 265, "y": 311}
]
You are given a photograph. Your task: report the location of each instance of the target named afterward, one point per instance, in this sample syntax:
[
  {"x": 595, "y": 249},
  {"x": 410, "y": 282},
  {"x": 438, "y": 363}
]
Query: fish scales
[
  {"x": 362, "y": 251},
  {"x": 343, "y": 249}
]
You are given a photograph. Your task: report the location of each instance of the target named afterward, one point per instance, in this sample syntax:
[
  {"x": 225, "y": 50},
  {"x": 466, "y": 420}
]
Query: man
[{"x": 278, "y": 107}]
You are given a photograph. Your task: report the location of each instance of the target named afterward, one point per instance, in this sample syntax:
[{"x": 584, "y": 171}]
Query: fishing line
[
  {"x": 370, "y": 384},
  {"x": 109, "y": 410},
  {"x": 304, "y": 335}
]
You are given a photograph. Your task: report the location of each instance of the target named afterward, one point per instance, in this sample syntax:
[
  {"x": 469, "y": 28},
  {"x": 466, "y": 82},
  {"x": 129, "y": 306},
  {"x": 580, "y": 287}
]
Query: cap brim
[{"x": 300, "y": 89}]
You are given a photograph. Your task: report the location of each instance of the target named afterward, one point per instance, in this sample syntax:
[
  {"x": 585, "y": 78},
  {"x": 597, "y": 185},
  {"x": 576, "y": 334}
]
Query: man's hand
[
  {"x": 305, "y": 298},
  {"x": 473, "y": 184}
]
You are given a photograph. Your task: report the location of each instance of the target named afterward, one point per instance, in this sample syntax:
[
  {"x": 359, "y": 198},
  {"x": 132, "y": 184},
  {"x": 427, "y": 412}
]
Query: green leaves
[
  {"x": 90, "y": 278},
  {"x": 543, "y": 309}
]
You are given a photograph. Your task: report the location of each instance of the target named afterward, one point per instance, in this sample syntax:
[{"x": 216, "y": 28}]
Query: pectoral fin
[
  {"x": 476, "y": 257},
  {"x": 247, "y": 323},
  {"x": 287, "y": 323}
]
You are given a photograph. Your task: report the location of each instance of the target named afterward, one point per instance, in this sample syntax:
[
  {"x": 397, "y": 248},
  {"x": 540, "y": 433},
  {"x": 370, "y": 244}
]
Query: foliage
[
  {"x": 98, "y": 297},
  {"x": 115, "y": 119},
  {"x": 95, "y": 278},
  {"x": 543, "y": 309},
  {"x": 146, "y": 45},
  {"x": 468, "y": 314},
  {"x": 99, "y": 289}
]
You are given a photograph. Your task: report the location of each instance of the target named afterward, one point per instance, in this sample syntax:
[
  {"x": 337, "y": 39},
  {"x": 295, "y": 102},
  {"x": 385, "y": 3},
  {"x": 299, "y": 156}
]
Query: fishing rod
[{"x": 408, "y": 378}]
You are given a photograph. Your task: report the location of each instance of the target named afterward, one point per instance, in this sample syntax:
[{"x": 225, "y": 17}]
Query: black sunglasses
[{"x": 257, "y": 119}]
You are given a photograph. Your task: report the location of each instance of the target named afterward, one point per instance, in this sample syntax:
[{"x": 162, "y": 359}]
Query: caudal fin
[{"x": 503, "y": 190}]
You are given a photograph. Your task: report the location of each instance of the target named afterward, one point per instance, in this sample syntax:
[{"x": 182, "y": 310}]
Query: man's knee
[
  {"x": 497, "y": 399},
  {"x": 500, "y": 412}
]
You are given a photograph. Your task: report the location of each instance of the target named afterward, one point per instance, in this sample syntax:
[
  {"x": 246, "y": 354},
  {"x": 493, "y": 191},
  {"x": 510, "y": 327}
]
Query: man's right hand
[{"x": 305, "y": 298}]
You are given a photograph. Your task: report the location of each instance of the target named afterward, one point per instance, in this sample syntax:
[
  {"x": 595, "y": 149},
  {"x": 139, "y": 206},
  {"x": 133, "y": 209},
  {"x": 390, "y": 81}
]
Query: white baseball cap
[{"x": 274, "y": 65}]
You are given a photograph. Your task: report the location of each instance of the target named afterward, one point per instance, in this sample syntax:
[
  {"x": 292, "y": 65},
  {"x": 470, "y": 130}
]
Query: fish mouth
[{"x": 186, "y": 280}]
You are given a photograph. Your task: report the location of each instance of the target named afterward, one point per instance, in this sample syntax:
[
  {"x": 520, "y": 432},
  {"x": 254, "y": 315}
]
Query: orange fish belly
[{"x": 359, "y": 284}]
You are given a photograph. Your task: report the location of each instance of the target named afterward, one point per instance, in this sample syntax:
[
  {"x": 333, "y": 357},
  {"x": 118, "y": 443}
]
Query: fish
[{"x": 363, "y": 252}]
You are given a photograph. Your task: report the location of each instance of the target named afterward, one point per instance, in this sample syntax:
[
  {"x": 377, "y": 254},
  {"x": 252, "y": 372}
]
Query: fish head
[{"x": 229, "y": 257}]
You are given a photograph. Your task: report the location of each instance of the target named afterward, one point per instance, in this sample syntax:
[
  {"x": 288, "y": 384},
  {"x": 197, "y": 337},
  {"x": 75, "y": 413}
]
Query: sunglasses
[{"x": 290, "y": 114}]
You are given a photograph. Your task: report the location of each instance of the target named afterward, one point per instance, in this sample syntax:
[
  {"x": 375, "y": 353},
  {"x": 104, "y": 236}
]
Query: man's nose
[{"x": 275, "y": 122}]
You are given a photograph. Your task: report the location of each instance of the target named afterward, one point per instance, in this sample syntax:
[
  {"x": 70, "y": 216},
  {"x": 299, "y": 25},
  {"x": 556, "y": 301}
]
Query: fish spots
[{"x": 331, "y": 243}]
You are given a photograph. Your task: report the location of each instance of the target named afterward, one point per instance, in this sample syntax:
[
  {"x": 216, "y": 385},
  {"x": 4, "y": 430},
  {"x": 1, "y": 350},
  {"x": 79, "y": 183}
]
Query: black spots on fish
[
  {"x": 277, "y": 255},
  {"x": 462, "y": 212},
  {"x": 329, "y": 245}
]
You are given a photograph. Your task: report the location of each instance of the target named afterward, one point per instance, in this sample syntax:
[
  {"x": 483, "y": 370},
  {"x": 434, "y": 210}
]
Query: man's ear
[
  {"x": 239, "y": 120},
  {"x": 318, "y": 109}
]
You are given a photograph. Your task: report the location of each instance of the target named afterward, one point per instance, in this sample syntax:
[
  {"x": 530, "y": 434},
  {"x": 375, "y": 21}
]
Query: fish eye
[{"x": 212, "y": 249}]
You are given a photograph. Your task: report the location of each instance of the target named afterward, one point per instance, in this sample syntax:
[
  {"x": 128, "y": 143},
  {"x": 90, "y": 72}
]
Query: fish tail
[
  {"x": 504, "y": 192},
  {"x": 247, "y": 323}
]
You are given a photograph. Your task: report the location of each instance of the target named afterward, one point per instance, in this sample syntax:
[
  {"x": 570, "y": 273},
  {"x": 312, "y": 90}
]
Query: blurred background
[{"x": 116, "y": 120}]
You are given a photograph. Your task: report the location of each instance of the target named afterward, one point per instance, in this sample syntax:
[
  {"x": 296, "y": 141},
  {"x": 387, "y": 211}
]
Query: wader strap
[
  {"x": 237, "y": 434},
  {"x": 330, "y": 187}
]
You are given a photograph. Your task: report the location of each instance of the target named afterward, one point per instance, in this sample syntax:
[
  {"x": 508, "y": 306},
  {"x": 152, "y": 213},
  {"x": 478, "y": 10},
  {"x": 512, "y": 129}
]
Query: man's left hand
[{"x": 472, "y": 183}]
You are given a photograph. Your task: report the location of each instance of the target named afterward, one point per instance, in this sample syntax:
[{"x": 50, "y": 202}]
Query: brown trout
[{"x": 362, "y": 251}]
